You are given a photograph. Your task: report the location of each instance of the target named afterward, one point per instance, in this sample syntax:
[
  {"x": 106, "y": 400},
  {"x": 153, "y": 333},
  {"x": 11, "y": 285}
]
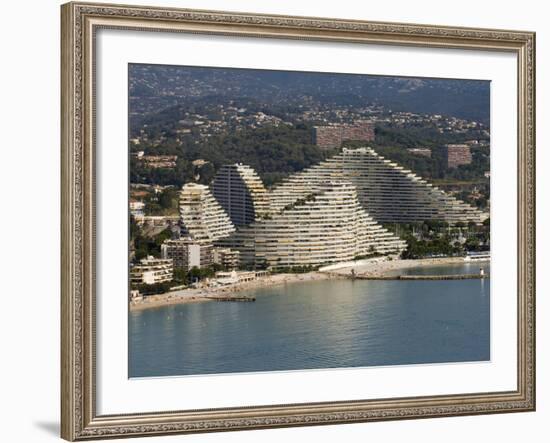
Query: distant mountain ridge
[{"x": 156, "y": 87}]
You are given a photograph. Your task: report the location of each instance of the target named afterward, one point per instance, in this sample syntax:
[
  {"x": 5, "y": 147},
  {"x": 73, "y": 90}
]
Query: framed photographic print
[{"x": 282, "y": 221}]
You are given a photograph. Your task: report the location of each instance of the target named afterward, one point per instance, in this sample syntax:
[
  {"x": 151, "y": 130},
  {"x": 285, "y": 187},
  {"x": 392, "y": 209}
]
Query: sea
[{"x": 319, "y": 325}]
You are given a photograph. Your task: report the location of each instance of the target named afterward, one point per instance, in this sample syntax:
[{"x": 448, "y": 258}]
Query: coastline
[
  {"x": 383, "y": 268},
  {"x": 200, "y": 295},
  {"x": 372, "y": 268}
]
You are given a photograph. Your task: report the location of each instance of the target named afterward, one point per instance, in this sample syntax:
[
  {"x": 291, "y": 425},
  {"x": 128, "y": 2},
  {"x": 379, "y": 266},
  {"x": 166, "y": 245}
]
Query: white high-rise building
[
  {"x": 227, "y": 258},
  {"x": 325, "y": 226},
  {"x": 201, "y": 217},
  {"x": 240, "y": 191},
  {"x": 387, "y": 191},
  {"x": 187, "y": 253},
  {"x": 152, "y": 270}
]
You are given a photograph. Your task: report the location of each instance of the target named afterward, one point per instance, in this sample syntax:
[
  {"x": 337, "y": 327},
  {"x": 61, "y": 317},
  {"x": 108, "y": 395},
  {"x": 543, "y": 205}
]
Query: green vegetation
[
  {"x": 369, "y": 255},
  {"x": 198, "y": 90},
  {"x": 165, "y": 203},
  {"x": 434, "y": 238},
  {"x": 197, "y": 274},
  {"x": 425, "y": 248},
  {"x": 156, "y": 288},
  {"x": 414, "y": 137},
  {"x": 183, "y": 172},
  {"x": 468, "y": 181},
  {"x": 302, "y": 201},
  {"x": 183, "y": 277},
  {"x": 393, "y": 143},
  {"x": 276, "y": 152},
  {"x": 273, "y": 151},
  {"x": 145, "y": 246}
]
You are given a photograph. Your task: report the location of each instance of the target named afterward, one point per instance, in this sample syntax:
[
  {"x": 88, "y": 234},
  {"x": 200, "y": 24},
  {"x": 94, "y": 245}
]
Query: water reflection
[
  {"x": 483, "y": 290},
  {"x": 328, "y": 324}
]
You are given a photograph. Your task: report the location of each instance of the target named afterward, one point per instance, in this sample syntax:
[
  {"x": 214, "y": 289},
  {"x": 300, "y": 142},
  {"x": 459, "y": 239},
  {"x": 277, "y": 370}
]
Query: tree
[
  {"x": 168, "y": 199},
  {"x": 206, "y": 173},
  {"x": 145, "y": 246},
  {"x": 180, "y": 276}
]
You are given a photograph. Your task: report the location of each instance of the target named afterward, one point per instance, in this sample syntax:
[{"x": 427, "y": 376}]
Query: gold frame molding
[{"x": 79, "y": 21}]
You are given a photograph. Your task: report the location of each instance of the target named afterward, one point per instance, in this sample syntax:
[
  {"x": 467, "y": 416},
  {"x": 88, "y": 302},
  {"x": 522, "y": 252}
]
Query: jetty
[
  {"x": 230, "y": 298},
  {"x": 422, "y": 277}
]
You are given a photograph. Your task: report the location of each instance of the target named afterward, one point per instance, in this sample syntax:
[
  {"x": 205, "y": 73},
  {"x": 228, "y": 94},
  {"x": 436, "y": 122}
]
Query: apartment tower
[
  {"x": 201, "y": 217},
  {"x": 325, "y": 226},
  {"x": 387, "y": 191},
  {"x": 241, "y": 193}
]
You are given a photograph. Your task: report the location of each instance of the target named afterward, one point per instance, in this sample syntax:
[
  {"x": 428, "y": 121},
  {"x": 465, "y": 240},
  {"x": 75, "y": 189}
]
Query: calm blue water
[{"x": 324, "y": 324}]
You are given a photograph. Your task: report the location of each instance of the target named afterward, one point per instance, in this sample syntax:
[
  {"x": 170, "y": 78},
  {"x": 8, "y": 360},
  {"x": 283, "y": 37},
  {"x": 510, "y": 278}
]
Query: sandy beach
[
  {"x": 209, "y": 294},
  {"x": 366, "y": 268},
  {"x": 382, "y": 267}
]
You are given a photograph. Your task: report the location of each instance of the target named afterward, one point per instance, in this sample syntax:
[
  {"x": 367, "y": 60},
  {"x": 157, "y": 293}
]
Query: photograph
[
  {"x": 276, "y": 221},
  {"x": 279, "y": 220},
  {"x": 288, "y": 220}
]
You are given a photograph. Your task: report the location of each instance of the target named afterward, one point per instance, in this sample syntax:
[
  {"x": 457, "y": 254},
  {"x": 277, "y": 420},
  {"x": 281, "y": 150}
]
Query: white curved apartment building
[
  {"x": 325, "y": 226},
  {"x": 201, "y": 217},
  {"x": 241, "y": 193},
  {"x": 387, "y": 191}
]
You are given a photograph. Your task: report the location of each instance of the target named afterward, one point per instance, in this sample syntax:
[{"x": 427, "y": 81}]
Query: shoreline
[
  {"x": 384, "y": 268},
  {"x": 375, "y": 268},
  {"x": 200, "y": 295}
]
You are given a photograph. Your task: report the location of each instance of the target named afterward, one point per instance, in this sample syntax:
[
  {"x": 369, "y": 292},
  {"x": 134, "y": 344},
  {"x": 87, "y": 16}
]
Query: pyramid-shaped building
[
  {"x": 201, "y": 217},
  {"x": 388, "y": 192},
  {"x": 327, "y": 225},
  {"x": 241, "y": 193}
]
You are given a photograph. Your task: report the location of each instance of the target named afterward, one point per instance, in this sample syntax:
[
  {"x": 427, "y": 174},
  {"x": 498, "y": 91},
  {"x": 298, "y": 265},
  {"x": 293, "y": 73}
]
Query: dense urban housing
[
  {"x": 152, "y": 270},
  {"x": 187, "y": 253},
  {"x": 325, "y": 214},
  {"x": 458, "y": 154},
  {"x": 332, "y": 136},
  {"x": 241, "y": 193},
  {"x": 326, "y": 226},
  {"x": 202, "y": 218},
  {"x": 388, "y": 192}
]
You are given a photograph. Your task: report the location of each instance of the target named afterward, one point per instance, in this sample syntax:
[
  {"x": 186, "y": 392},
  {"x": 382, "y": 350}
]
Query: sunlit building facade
[
  {"x": 387, "y": 191},
  {"x": 201, "y": 217},
  {"x": 152, "y": 270},
  {"x": 325, "y": 226},
  {"x": 187, "y": 253}
]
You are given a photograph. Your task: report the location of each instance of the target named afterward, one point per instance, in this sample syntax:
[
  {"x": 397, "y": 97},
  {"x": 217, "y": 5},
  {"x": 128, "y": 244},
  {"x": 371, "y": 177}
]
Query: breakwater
[
  {"x": 421, "y": 277},
  {"x": 230, "y": 298}
]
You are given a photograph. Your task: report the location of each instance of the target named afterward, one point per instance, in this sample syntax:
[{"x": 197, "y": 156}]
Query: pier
[
  {"x": 231, "y": 298},
  {"x": 423, "y": 277}
]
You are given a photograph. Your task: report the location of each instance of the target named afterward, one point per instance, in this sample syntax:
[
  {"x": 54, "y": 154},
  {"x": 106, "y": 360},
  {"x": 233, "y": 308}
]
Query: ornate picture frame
[{"x": 80, "y": 22}]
